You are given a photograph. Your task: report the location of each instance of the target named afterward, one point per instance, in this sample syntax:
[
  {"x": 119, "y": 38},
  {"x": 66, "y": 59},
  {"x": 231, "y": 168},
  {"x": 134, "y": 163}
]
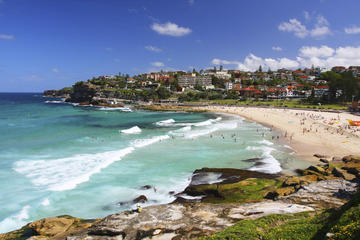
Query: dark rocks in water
[
  {"x": 320, "y": 156},
  {"x": 231, "y": 175},
  {"x": 140, "y": 199},
  {"x": 172, "y": 193},
  {"x": 186, "y": 200},
  {"x": 324, "y": 160},
  {"x": 145, "y": 187}
]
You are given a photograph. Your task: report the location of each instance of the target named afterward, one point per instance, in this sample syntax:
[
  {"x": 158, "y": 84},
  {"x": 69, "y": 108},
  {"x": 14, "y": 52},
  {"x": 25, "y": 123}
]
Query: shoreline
[{"x": 314, "y": 140}]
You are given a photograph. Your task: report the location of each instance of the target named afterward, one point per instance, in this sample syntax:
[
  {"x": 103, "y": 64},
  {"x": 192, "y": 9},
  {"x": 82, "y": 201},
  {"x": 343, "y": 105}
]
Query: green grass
[
  {"x": 344, "y": 223},
  {"x": 275, "y": 103},
  {"x": 249, "y": 190}
]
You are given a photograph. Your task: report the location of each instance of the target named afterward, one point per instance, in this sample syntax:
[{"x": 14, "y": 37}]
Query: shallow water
[{"x": 56, "y": 158}]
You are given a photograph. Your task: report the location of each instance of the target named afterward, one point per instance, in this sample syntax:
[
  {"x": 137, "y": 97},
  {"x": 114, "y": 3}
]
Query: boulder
[
  {"x": 324, "y": 160},
  {"x": 145, "y": 187},
  {"x": 140, "y": 199},
  {"x": 317, "y": 155},
  {"x": 52, "y": 226},
  {"x": 317, "y": 169},
  {"x": 280, "y": 192},
  {"x": 353, "y": 168},
  {"x": 308, "y": 179},
  {"x": 351, "y": 158},
  {"x": 291, "y": 181},
  {"x": 343, "y": 174}
]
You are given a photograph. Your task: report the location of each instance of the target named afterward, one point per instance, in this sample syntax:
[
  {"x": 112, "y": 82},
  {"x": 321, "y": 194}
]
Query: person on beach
[
  {"x": 138, "y": 208},
  {"x": 155, "y": 189}
]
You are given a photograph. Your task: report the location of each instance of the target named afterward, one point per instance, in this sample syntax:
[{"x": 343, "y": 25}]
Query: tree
[
  {"x": 221, "y": 68},
  {"x": 260, "y": 68},
  {"x": 163, "y": 93},
  {"x": 215, "y": 69}
]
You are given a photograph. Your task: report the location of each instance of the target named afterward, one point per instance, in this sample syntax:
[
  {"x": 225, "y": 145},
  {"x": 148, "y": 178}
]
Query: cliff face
[{"x": 83, "y": 92}]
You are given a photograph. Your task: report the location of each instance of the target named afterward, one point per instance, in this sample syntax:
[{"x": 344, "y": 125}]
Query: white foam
[
  {"x": 15, "y": 221},
  {"x": 54, "y": 101},
  {"x": 45, "y": 202},
  {"x": 269, "y": 163},
  {"x": 148, "y": 141},
  {"x": 124, "y": 109},
  {"x": 165, "y": 122},
  {"x": 180, "y": 131},
  {"x": 266, "y": 142},
  {"x": 212, "y": 128},
  {"x": 133, "y": 130},
  {"x": 66, "y": 173}
]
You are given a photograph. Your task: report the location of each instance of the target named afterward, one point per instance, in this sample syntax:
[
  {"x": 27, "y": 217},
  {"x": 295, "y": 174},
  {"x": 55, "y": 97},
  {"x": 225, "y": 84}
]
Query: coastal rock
[
  {"x": 140, "y": 199},
  {"x": 83, "y": 92},
  {"x": 51, "y": 226},
  {"x": 291, "y": 181},
  {"x": 176, "y": 221},
  {"x": 343, "y": 174},
  {"x": 145, "y": 187},
  {"x": 317, "y": 169},
  {"x": 323, "y": 194},
  {"x": 323, "y": 160},
  {"x": 280, "y": 192},
  {"x": 317, "y": 155},
  {"x": 351, "y": 158}
]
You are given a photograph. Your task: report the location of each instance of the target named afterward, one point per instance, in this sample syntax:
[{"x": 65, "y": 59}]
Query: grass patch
[{"x": 343, "y": 223}]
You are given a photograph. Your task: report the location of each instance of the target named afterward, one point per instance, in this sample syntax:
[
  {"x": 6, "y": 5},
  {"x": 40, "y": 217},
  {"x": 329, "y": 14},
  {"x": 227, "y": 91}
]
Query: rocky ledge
[{"x": 238, "y": 194}]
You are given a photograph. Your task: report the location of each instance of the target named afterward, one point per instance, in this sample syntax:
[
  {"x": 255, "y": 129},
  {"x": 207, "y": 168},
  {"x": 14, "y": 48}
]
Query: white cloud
[
  {"x": 323, "y": 56},
  {"x": 55, "y": 70},
  {"x": 294, "y": 26},
  {"x": 153, "y": 49},
  {"x": 252, "y": 63},
  {"x": 320, "y": 29},
  {"x": 352, "y": 30},
  {"x": 6, "y": 37},
  {"x": 116, "y": 60},
  {"x": 307, "y": 15},
  {"x": 277, "y": 48},
  {"x": 108, "y": 49},
  {"x": 158, "y": 64},
  {"x": 323, "y": 51},
  {"x": 191, "y": 2},
  {"x": 170, "y": 29}
]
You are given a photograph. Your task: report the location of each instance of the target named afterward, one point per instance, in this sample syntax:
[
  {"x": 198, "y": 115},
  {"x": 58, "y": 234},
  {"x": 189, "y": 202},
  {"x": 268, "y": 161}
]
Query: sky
[{"x": 50, "y": 44}]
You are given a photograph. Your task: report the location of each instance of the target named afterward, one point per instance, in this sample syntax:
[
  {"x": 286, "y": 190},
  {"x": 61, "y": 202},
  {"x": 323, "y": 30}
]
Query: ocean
[{"x": 57, "y": 158}]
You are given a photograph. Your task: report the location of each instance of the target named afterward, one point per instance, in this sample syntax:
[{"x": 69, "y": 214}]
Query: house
[
  {"x": 222, "y": 74},
  {"x": 228, "y": 85},
  {"x": 338, "y": 69},
  {"x": 190, "y": 81}
]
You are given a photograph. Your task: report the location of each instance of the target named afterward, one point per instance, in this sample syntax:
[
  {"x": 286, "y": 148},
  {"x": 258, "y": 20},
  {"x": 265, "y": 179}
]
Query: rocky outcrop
[
  {"x": 62, "y": 93},
  {"x": 239, "y": 194},
  {"x": 177, "y": 221},
  {"x": 51, "y": 228},
  {"x": 83, "y": 92}
]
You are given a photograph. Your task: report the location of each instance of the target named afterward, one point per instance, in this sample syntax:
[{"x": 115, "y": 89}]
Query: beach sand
[{"x": 307, "y": 132}]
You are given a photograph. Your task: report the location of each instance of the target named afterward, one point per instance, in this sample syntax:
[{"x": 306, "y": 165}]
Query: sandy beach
[{"x": 307, "y": 132}]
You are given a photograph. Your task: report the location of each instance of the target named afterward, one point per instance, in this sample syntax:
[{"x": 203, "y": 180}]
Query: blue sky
[{"x": 49, "y": 44}]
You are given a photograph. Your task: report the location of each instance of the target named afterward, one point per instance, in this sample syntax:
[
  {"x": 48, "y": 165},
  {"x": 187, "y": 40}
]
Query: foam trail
[
  {"x": 66, "y": 173},
  {"x": 124, "y": 109},
  {"x": 133, "y": 130},
  {"x": 15, "y": 221},
  {"x": 45, "y": 202},
  {"x": 269, "y": 163},
  {"x": 138, "y": 143},
  {"x": 211, "y": 129},
  {"x": 165, "y": 122},
  {"x": 266, "y": 142}
]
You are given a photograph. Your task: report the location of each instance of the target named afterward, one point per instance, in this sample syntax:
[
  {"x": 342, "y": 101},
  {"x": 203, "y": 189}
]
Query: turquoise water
[{"x": 56, "y": 158}]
